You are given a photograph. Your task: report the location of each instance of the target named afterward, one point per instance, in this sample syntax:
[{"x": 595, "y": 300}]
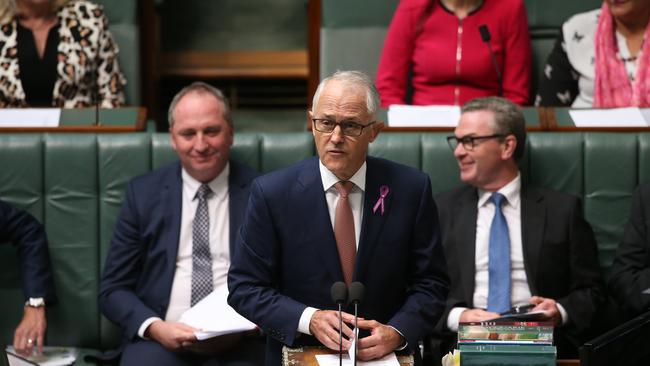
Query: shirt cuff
[
  {"x": 305, "y": 319},
  {"x": 563, "y": 313},
  {"x": 145, "y": 325},
  {"x": 404, "y": 344},
  {"x": 454, "y": 318}
]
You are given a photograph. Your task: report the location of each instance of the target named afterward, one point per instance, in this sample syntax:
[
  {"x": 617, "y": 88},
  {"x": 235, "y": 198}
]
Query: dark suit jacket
[
  {"x": 630, "y": 273},
  {"x": 286, "y": 257},
  {"x": 27, "y": 234},
  {"x": 140, "y": 265},
  {"x": 560, "y": 253}
]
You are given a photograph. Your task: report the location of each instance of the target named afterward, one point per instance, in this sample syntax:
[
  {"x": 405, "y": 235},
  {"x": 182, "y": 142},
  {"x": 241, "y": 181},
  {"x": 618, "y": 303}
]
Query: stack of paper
[
  {"x": 215, "y": 317},
  {"x": 52, "y": 356},
  {"x": 423, "y": 116}
]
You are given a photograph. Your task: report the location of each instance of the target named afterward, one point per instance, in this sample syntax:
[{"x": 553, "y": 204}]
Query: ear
[
  {"x": 310, "y": 124},
  {"x": 171, "y": 138},
  {"x": 375, "y": 129},
  {"x": 509, "y": 146}
]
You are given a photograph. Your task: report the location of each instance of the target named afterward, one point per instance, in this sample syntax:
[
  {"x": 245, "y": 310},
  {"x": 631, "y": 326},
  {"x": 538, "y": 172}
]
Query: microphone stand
[
  {"x": 486, "y": 37},
  {"x": 339, "y": 292},
  {"x": 356, "y": 295}
]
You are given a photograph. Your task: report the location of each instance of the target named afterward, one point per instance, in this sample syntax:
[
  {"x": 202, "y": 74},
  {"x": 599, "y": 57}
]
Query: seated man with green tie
[{"x": 508, "y": 243}]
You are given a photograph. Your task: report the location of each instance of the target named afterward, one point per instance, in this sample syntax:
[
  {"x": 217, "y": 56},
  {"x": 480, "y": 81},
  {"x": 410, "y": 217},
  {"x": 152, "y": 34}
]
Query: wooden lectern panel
[{"x": 306, "y": 356}]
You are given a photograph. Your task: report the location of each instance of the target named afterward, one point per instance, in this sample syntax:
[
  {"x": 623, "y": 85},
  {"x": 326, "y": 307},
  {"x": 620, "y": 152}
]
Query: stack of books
[{"x": 506, "y": 343}]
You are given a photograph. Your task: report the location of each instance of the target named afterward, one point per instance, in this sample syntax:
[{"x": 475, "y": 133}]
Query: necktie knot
[
  {"x": 344, "y": 187},
  {"x": 203, "y": 192},
  {"x": 497, "y": 198}
]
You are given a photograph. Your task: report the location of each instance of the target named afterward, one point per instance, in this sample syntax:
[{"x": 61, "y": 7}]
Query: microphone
[
  {"x": 339, "y": 294},
  {"x": 356, "y": 295},
  {"x": 485, "y": 36}
]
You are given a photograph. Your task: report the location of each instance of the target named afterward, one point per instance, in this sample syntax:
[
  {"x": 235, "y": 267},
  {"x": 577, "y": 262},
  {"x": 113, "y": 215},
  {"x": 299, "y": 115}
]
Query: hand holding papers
[{"x": 215, "y": 317}]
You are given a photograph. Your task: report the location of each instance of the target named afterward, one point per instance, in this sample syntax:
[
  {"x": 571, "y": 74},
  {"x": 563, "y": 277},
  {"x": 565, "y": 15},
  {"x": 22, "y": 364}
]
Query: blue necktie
[{"x": 499, "y": 259}]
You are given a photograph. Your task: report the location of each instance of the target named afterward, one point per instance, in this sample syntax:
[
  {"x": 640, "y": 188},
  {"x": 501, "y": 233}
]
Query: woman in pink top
[{"x": 437, "y": 48}]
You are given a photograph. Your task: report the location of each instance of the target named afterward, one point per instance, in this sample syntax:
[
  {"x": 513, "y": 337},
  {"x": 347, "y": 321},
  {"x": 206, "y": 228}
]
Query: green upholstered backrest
[
  {"x": 345, "y": 25},
  {"x": 123, "y": 24},
  {"x": 74, "y": 184}
]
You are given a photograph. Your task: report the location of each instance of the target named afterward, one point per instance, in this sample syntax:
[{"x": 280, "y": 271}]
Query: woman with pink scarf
[{"x": 601, "y": 59}]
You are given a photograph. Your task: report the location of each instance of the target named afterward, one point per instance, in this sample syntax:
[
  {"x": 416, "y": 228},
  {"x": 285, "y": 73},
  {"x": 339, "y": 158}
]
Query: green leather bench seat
[{"x": 74, "y": 184}]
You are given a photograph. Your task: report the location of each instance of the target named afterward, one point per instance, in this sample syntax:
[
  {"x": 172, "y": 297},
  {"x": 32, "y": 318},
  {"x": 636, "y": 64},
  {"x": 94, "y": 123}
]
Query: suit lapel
[
  {"x": 464, "y": 229},
  {"x": 310, "y": 202},
  {"x": 171, "y": 197},
  {"x": 237, "y": 200},
  {"x": 372, "y": 223},
  {"x": 533, "y": 213}
]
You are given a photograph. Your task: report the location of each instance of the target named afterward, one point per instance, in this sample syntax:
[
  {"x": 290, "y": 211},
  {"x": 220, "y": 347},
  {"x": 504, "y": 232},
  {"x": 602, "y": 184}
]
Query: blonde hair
[{"x": 8, "y": 9}]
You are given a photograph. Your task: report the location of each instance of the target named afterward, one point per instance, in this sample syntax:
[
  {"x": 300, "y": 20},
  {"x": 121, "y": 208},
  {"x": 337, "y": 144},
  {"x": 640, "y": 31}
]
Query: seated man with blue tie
[
  {"x": 173, "y": 239},
  {"x": 341, "y": 216},
  {"x": 508, "y": 243}
]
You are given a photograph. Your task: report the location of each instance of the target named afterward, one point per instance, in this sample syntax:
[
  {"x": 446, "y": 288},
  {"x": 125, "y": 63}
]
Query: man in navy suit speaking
[
  {"x": 341, "y": 216},
  {"x": 173, "y": 238}
]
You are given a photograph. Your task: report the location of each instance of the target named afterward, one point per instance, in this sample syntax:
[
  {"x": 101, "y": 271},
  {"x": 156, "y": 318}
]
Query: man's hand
[
  {"x": 477, "y": 315},
  {"x": 382, "y": 340},
  {"x": 549, "y": 307},
  {"x": 324, "y": 325},
  {"x": 30, "y": 331},
  {"x": 171, "y": 335}
]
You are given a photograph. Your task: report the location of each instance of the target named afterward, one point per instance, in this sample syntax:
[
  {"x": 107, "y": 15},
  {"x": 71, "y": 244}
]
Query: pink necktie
[{"x": 344, "y": 231}]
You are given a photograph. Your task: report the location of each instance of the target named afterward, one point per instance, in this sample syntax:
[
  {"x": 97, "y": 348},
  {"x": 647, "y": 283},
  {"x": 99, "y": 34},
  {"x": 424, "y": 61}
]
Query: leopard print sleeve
[{"x": 110, "y": 79}]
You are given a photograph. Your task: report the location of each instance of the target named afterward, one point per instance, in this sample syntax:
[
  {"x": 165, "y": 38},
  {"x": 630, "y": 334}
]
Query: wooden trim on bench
[{"x": 290, "y": 64}]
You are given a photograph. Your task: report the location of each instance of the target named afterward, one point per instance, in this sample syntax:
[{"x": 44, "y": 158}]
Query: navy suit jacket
[
  {"x": 137, "y": 279},
  {"x": 630, "y": 273},
  {"x": 559, "y": 249},
  {"x": 286, "y": 257},
  {"x": 27, "y": 234}
]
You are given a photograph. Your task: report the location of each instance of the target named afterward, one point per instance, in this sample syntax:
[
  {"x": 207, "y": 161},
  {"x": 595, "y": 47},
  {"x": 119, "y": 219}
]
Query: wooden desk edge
[{"x": 140, "y": 125}]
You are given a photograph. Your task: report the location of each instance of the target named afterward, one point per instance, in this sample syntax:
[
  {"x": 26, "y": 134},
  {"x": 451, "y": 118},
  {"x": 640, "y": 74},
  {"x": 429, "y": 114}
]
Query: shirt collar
[
  {"x": 218, "y": 185},
  {"x": 329, "y": 179},
  {"x": 510, "y": 191}
]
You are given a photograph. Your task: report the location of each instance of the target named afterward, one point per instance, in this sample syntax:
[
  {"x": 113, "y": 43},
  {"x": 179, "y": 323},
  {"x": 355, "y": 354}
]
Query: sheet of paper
[
  {"x": 423, "y": 116},
  {"x": 616, "y": 117},
  {"x": 30, "y": 117},
  {"x": 353, "y": 348},
  {"x": 52, "y": 356},
  {"x": 215, "y": 317},
  {"x": 333, "y": 360}
]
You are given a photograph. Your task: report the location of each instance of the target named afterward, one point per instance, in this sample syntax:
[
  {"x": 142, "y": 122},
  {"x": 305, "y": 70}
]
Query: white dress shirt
[
  {"x": 355, "y": 197},
  {"x": 520, "y": 291},
  {"x": 218, "y": 208}
]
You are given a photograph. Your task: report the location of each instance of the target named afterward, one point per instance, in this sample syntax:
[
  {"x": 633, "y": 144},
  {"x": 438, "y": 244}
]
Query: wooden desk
[
  {"x": 306, "y": 356},
  {"x": 291, "y": 64},
  {"x": 125, "y": 119},
  {"x": 544, "y": 119}
]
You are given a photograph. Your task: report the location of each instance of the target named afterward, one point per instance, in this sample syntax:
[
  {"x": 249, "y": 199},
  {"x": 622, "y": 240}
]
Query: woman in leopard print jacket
[{"x": 57, "y": 53}]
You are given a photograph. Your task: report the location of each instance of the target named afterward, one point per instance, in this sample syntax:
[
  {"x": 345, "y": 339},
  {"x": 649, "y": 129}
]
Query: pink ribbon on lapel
[{"x": 383, "y": 192}]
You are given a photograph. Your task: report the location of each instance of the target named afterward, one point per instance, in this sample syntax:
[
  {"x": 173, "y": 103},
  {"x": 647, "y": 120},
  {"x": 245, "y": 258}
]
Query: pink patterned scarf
[{"x": 612, "y": 87}]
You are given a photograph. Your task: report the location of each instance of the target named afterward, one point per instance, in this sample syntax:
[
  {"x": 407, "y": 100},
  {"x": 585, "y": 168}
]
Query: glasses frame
[
  {"x": 469, "y": 142},
  {"x": 340, "y": 125}
]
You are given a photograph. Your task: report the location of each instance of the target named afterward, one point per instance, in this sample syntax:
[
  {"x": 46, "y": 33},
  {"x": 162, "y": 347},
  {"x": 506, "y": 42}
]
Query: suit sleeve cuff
[
  {"x": 454, "y": 318},
  {"x": 305, "y": 319},
  {"x": 563, "y": 313},
  {"x": 404, "y": 343},
  {"x": 145, "y": 325}
]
